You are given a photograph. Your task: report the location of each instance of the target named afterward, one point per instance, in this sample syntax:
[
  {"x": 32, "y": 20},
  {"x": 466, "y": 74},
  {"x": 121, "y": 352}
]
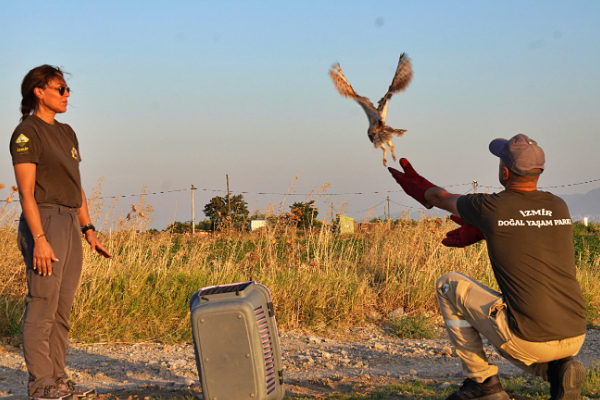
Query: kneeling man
[{"x": 538, "y": 319}]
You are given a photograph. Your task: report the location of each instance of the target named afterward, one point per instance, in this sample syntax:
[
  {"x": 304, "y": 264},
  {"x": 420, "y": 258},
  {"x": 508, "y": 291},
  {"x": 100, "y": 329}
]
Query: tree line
[{"x": 231, "y": 212}]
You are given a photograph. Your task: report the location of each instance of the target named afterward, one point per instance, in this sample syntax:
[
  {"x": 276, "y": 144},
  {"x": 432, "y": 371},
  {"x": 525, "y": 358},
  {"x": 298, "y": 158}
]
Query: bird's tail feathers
[{"x": 398, "y": 132}]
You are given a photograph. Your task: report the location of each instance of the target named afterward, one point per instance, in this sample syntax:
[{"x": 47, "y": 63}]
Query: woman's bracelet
[{"x": 39, "y": 236}]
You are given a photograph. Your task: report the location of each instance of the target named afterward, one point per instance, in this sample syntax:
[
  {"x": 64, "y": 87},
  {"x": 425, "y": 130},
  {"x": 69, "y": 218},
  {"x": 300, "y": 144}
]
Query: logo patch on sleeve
[
  {"x": 22, "y": 143},
  {"x": 74, "y": 153}
]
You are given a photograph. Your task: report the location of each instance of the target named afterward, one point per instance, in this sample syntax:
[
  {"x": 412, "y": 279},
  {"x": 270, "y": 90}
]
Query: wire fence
[
  {"x": 472, "y": 186},
  {"x": 146, "y": 194}
]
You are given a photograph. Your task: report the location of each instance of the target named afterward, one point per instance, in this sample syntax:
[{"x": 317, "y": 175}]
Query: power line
[
  {"x": 372, "y": 207},
  {"x": 470, "y": 184},
  {"x": 319, "y": 195},
  {"x": 555, "y": 186},
  {"x": 269, "y": 193},
  {"x": 401, "y": 205}
]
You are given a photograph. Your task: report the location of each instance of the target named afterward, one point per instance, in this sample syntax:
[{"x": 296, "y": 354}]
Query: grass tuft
[{"x": 415, "y": 327}]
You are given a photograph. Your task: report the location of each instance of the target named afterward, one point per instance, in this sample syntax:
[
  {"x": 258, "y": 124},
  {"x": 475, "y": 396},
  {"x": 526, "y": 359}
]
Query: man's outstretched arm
[
  {"x": 441, "y": 198},
  {"x": 430, "y": 195},
  {"x": 422, "y": 190}
]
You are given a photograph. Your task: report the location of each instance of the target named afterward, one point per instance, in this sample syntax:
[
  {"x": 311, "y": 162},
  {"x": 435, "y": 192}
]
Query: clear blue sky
[{"x": 170, "y": 94}]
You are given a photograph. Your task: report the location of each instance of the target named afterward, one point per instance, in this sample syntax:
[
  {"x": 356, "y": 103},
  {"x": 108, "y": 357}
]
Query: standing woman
[{"x": 46, "y": 159}]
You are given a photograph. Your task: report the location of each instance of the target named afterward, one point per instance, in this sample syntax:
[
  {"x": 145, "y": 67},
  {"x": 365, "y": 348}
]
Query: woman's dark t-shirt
[{"x": 55, "y": 151}]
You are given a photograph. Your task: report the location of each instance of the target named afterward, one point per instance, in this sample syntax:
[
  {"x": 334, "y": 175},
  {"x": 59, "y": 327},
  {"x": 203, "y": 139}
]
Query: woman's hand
[
  {"x": 95, "y": 244},
  {"x": 43, "y": 256}
]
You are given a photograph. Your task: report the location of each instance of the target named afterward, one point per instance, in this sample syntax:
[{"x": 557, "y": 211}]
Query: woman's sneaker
[
  {"x": 77, "y": 392},
  {"x": 50, "y": 393}
]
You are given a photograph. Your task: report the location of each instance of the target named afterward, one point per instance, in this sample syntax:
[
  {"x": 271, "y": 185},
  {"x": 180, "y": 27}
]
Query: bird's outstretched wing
[
  {"x": 345, "y": 89},
  {"x": 402, "y": 78}
]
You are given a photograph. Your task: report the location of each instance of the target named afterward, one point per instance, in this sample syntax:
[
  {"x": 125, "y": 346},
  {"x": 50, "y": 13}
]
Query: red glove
[
  {"x": 413, "y": 184},
  {"x": 464, "y": 236}
]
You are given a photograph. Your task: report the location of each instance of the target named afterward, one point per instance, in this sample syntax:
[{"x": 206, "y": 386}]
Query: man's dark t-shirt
[
  {"x": 530, "y": 244},
  {"x": 55, "y": 150}
]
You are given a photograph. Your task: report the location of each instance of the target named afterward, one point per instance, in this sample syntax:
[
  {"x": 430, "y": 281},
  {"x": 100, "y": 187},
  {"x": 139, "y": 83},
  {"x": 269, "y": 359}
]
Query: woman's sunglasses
[{"x": 62, "y": 90}]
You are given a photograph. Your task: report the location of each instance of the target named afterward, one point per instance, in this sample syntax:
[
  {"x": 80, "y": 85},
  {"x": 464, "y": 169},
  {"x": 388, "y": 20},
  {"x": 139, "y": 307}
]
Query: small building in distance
[
  {"x": 256, "y": 224},
  {"x": 366, "y": 226},
  {"x": 344, "y": 224}
]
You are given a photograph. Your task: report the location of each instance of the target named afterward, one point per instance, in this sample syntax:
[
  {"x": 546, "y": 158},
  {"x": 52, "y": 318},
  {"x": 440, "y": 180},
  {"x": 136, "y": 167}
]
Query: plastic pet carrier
[{"x": 236, "y": 342}]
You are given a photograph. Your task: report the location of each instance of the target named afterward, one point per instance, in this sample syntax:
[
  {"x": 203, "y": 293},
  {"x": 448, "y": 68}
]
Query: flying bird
[{"x": 379, "y": 133}]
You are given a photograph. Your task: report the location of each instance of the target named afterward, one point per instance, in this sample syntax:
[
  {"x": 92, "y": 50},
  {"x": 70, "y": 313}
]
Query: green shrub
[{"x": 414, "y": 327}]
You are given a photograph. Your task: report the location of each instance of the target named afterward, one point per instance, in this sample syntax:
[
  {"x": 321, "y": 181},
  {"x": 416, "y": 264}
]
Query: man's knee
[{"x": 444, "y": 282}]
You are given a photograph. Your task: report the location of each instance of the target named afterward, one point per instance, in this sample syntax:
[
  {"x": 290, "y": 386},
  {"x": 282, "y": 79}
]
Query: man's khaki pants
[
  {"x": 470, "y": 309},
  {"x": 49, "y": 299}
]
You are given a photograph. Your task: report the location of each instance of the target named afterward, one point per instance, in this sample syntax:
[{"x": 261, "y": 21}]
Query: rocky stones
[
  {"x": 397, "y": 313},
  {"x": 308, "y": 361},
  {"x": 446, "y": 351}
]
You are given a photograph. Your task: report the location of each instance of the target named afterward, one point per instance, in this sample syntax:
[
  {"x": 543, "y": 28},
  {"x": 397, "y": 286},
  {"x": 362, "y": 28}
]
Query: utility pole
[
  {"x": 474, "y": 186},
  {"x": 389, "y": 215},
  {"x": 193, "y": 214},
  {"x": 332, "y": 215},
  {"x": 228, "y": 200}
]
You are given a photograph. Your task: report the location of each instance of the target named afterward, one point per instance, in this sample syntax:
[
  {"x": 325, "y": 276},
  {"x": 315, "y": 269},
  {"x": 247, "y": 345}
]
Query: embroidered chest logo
[
  {"x": 22, "y": 143},
  {"x": 74, "y": 153}
]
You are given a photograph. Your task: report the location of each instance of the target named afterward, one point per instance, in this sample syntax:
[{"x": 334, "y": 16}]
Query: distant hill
[
  {"x": 584, "y": 205},
  {"x": 580, "y": 206}
]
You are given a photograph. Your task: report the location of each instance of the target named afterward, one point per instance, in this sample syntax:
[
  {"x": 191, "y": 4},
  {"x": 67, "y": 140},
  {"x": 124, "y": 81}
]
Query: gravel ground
[{"x": 313, "y": 365}]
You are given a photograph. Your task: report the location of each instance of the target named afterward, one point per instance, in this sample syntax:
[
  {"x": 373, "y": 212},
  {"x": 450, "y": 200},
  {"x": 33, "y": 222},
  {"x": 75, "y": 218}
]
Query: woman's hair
[{"x": 37, "y": 77}]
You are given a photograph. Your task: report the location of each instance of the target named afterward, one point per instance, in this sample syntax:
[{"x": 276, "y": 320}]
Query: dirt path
[{"x": 313, "y": 365}]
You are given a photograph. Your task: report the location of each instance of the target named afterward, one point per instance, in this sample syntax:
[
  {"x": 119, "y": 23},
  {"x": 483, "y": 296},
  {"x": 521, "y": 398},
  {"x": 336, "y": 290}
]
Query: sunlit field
[{"x": 320, "y": 280}]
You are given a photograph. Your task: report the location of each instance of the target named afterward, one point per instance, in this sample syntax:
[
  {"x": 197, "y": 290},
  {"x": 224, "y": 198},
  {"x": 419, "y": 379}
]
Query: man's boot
[
  {"x": 566, "y": 378},
  {"x": 490, "y": 389}
]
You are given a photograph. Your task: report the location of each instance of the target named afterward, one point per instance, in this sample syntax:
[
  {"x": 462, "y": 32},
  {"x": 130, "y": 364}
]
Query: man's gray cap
[{"x": 519, "y": 153}]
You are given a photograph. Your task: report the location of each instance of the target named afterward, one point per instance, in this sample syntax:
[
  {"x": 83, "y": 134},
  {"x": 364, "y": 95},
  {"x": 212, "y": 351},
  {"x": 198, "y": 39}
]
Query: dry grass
[{"x": 319, "y": 280}]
